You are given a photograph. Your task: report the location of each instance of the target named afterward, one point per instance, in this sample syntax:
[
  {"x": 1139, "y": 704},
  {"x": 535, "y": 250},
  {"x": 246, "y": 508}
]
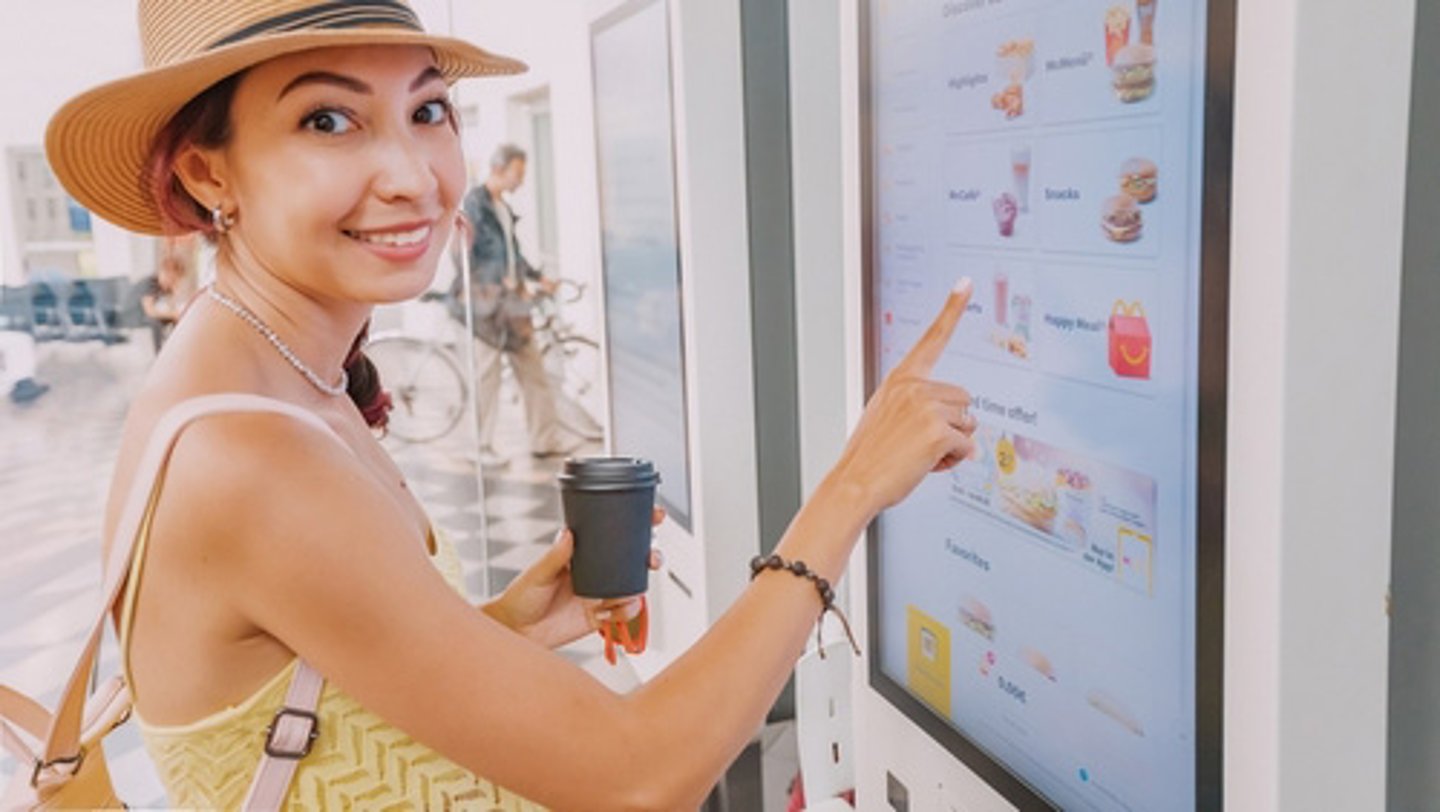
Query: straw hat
[{"x": 99, "y": 141}]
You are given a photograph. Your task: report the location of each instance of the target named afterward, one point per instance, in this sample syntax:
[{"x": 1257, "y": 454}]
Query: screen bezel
[
  {"x": 680, "y": 514},
  {"x": 1211, "y": 391}
]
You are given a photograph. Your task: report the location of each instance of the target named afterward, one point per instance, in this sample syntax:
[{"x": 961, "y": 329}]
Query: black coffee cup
[{"x": 608, "y": 502}]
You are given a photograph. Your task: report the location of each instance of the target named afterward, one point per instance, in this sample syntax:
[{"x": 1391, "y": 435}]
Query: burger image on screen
[
  {"x": 1139, "y": 178},
  {"x": 976, "y": 617},
  {"x": 1121, "y": 219},
  {"x": 1134, "y": 73}
]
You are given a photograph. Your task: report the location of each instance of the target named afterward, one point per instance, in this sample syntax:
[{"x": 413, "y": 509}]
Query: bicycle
[
  {"x": 571, "y": 358},
  {"x": 431, "y": 391}
]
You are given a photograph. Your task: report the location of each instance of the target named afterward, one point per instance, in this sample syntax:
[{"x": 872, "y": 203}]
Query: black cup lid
[{"x": 603, "y": 471}]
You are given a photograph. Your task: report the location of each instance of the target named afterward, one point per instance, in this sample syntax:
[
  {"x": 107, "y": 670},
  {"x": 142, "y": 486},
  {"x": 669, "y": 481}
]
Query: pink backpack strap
[
  {"x": 64, "y": 733},
  {"x": 287, "y": 740}
]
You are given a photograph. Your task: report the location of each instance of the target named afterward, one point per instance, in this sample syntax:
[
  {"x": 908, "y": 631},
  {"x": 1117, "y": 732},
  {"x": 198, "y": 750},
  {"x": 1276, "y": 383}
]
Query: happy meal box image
[{"x": 1129, "y": 341}]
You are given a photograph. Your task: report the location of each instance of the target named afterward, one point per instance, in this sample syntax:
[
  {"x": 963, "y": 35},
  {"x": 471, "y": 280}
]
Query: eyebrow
[{"x": 352, "y": 84}]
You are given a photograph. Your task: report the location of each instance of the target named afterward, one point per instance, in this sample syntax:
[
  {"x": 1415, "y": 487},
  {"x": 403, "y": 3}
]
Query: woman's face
[{"x": 344, "y": 168}]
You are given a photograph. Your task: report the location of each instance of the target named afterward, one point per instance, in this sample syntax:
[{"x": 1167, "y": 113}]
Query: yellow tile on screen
[{"x": 928, "y": 653}]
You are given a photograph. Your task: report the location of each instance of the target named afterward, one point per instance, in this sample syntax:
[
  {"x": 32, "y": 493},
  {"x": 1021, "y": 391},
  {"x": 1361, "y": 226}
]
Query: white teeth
[{"x": 393, "y": 238}]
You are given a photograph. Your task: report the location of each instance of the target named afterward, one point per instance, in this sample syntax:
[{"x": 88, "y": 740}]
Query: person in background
[
  {"x": 503, "y": 285},
  {"x": 165, "y": 295},
  {"x": 17, "y": 367}
]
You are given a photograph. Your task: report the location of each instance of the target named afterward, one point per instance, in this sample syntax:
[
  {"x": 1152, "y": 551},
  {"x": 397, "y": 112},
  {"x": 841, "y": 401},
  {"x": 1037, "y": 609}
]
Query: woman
[{"x": 315, "y": 145}]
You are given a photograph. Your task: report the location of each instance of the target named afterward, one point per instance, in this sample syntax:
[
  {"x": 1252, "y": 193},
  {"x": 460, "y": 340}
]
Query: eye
[
  {"x": 328, "y": 121},
  {"x": 435, "y": 111}
]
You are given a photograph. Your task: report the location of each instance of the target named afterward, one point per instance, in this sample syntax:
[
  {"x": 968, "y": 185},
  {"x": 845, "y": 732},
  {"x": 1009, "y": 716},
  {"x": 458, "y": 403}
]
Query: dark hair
[
  {"x": 364, "y": 386},
  {"x": 504, "y": 155},
  {"x": 204, "y": 121}
]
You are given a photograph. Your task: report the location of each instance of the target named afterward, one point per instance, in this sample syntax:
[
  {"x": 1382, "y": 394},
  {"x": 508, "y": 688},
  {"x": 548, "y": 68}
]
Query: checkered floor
[{"x": 56, "y": 456}]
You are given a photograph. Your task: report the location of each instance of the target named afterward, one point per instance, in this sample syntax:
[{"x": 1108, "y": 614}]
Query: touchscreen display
[
  {"x": 641, "y": 250},
  {"x": 1040, "y": 599}
]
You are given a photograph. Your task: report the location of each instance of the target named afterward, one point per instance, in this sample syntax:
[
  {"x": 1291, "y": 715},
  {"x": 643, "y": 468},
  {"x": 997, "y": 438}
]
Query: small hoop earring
[{"x": 221, "y": 221}]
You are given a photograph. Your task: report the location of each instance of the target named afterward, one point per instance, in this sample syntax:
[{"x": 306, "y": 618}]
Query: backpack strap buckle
[
  {"x": 72, "y": 762},
  {"x": 291, "y": 732}
]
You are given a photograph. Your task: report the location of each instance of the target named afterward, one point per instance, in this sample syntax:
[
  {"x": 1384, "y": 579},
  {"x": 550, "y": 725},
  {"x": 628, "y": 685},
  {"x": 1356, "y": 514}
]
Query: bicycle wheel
[
  {"x": 574, "y": 365},
  {"x": 425, "y": 383}
]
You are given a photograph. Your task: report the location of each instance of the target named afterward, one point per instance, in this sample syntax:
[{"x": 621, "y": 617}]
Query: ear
[{"x": 205, "y": 176}]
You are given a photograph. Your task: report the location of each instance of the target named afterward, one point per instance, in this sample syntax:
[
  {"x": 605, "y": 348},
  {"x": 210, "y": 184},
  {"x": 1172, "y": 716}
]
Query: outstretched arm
[{"x": 312, "y": 550}]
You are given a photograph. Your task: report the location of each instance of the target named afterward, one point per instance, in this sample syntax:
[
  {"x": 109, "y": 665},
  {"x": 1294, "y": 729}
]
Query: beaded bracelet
[{"x": 774, "y": 561}]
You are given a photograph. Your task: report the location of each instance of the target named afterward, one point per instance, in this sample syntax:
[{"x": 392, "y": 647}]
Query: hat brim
[{"x": 99, "y": 141}]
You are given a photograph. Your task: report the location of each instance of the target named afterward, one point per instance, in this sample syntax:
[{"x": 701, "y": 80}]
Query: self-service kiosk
[
  {"x": 676, "y": 248},
  {"x": 1161, "y": 584}
]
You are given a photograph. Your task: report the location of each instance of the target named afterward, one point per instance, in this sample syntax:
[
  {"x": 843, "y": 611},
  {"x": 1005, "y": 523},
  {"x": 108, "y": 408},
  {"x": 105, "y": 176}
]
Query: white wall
[{"x": 50, "y": 51}]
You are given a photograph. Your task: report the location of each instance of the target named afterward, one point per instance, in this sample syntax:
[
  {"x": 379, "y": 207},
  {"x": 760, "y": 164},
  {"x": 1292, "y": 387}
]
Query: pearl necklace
[{"x": 280, "y": 346}]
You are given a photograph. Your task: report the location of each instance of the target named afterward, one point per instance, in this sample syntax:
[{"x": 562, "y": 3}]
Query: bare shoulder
[{"x": 237, "y": 477}]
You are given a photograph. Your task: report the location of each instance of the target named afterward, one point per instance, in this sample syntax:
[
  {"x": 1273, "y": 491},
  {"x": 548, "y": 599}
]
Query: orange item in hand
[{"x": 631, "y": 635}]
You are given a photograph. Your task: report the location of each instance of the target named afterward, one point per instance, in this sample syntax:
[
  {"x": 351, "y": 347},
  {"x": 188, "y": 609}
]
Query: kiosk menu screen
[
  {"x": 630, "y": 51},
  {"x": 1035, "y": 608}
]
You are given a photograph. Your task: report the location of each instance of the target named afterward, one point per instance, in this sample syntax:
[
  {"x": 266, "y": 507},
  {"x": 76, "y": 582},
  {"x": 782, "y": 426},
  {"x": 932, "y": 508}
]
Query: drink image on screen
[
  {"x": 608, "y": 502},
  {"x": 1134, "y": 73},
  {"x": 1006, "y": 210},
  {"x": 1117, "y": 32},
  {"x": 1002, "y": 298},
  {"x": 1076, "y": 503},
  {"x": 1146, "y": 11},
  {"x": 1020, "y": 175},
  {"x": 1020, "y": 304}
]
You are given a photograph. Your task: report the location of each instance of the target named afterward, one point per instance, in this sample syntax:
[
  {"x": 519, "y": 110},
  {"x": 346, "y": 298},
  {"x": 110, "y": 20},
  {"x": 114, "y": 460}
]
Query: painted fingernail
[{"x": 964, "y": 285}]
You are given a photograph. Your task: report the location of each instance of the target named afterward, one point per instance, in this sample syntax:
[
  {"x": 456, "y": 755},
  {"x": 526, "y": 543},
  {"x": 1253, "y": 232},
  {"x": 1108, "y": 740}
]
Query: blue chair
[
  {"x": 47, "y": 319},
  {"x": 15, "y": 309}
]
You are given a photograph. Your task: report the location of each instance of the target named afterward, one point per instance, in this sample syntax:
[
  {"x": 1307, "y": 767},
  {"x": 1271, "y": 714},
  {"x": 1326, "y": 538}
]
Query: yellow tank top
[{"x": 358, "y": 762}]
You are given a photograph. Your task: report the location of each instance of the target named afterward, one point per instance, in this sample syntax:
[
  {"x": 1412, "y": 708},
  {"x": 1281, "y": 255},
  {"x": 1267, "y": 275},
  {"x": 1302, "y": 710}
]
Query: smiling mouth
[{"x": 394, "y": 239}]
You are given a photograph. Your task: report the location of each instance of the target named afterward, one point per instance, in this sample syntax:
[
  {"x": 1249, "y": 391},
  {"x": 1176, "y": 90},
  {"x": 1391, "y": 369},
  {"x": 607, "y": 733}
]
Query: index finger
[{"x": 927, "y": 350}]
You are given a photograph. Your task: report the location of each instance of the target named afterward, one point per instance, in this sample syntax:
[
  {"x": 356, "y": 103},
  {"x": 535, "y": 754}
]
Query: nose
[{"x": 405, "y": 168}]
